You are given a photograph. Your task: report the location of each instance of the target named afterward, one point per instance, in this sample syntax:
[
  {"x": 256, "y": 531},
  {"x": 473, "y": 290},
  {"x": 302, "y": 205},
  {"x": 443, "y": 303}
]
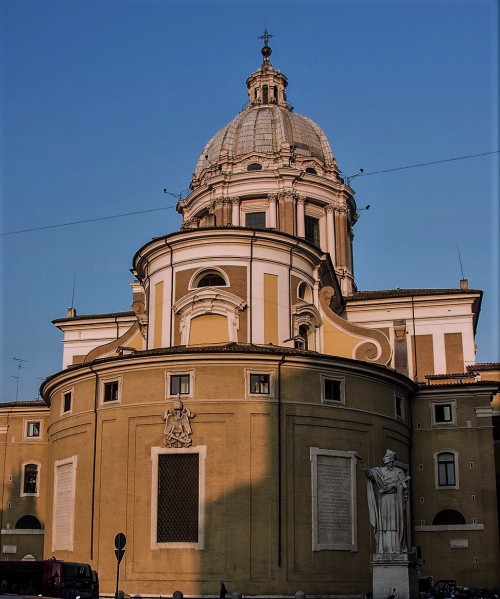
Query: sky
[{"x": 107, "y": 102}]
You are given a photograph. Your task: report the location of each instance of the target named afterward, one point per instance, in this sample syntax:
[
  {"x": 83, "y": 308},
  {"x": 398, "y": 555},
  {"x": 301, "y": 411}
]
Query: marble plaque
[
  {"x": 64, "y": 504},
  {"x": 334, "y": 500}
]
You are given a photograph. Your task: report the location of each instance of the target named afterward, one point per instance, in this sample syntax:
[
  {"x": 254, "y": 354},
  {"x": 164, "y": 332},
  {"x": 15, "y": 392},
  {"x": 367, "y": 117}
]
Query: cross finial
[{"x": 266, "y": 36}]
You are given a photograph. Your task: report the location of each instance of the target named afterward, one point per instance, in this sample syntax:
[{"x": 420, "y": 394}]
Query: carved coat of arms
[{"x": 177, "y": 425}]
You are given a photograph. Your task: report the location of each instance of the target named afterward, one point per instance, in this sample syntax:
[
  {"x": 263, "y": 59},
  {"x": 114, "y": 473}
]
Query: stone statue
[
  {"x": 177, "y": 425},
  {"x": 387, "y": 500}
]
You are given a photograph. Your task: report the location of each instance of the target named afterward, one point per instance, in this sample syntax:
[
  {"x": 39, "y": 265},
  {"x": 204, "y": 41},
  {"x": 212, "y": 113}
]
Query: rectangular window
[
  {"x": 110, "y": 392},
  {"x": 398, "y": 406},
  {"x": 30, "y": 479},
  {"x": 179, "y": 384},
  {"x": 332, "y": 390},
  {"x": 177, "y": 514},
  {"x": 67, "y": 401},
  {"x": 33, "y": 428},
  {"x": 259, "y": 384},
  {"x": 443, "y": 413},
  {"x": 178, "y": 498},
  {"x": 312, "y": 229},
  {"x": 255, "y": 220},
  {"x": 446, "y": 470}
]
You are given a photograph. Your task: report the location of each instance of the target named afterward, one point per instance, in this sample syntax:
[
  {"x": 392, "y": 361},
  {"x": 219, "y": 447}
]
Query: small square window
[
  {"x": 33, "y": 429},
  {"x": 179, "y": 384},
  {"x": 67, "y": 397},
  {"x": 110, "y": 391},
  {"x": 332, "y": 391},
  {"x": 259, "y": 384},
  {"x": 443, "y": 412}
]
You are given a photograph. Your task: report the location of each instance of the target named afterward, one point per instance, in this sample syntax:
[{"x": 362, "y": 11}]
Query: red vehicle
[{"x": 50, "y": 578}]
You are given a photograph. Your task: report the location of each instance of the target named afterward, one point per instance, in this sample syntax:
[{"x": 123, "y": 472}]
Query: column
[
  {"x": 272, "y": 211},
  {"x": 301, "y": 230},
  {"x": 330, "y": 232},
  {"x": 235, "y": 216}
]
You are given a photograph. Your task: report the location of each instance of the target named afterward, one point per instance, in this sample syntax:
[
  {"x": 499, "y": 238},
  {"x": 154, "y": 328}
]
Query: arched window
[
  {"x": 304, "y": 333},
  {"x": 445, "y": 517},
  {"x": 211, "y": 279},
  {"x": 30, "y": 478},
  {"x": 28, "y": 523},
  {"x": 265, "y": 94},
  {"x": 311, "y": 170},
  {"x": 304, "y": 292},
  {"x": 446, "y": 469},
  {"x": 254, "y": 166}
]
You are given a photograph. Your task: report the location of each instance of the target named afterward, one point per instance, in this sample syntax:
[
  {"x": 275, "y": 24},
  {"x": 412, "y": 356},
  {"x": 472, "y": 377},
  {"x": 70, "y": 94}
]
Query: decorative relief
[{"x": 178, "y": 426}]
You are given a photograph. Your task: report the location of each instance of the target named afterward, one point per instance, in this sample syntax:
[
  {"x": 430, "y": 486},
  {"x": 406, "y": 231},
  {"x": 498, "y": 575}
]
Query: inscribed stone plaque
[
  {"x": 333, "y": 494},
  {"x": 64, "y": 504}
]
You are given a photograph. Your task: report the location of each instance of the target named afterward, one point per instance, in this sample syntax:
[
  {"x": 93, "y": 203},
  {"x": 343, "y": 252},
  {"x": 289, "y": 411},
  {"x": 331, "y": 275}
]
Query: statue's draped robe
[{"x": 387, "y": 510}]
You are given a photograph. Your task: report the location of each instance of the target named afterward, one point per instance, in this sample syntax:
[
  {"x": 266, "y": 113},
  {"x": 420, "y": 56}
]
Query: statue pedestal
[{"x": 395, "y": 571}]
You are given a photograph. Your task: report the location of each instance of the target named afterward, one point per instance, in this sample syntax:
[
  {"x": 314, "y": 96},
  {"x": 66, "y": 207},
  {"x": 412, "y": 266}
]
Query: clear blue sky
[{"x": 105, "y": 103}]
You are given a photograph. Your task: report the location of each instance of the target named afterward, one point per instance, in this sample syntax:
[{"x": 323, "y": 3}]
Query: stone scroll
[{"x": 334, "y": 522}]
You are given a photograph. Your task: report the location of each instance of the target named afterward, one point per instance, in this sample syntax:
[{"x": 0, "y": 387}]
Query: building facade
[{"x": 219, "y": 422}]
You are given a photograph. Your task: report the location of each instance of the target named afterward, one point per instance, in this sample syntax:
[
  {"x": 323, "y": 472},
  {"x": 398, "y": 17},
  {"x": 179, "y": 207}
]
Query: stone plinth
[{"x": 395, "y": 571}]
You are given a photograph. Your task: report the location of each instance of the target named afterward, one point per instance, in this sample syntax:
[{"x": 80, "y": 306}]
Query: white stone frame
[
  {"x": 69, "y": 517},
  {"x": 201, "y": 272},
  {"x": 444, "y": 402},
  {"x": 38, "y": 470},
  {"x": 437, "y": 486},
  {"x": 63, "y": 393},
  {"x": 272, "y": 383},
  {"x": 26, "y": 422},
  {"x": 332, "y": 377},
  {"x": 102, "y": 383},
  {"x": 178, "y": 372},
  {"x": 209, "y": 300},
  {"x": 201, "y": 450},
  {"x": 349, "y": 455}
]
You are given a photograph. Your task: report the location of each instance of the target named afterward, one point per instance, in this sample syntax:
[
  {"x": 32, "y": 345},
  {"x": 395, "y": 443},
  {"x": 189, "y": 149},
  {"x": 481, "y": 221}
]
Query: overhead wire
[{"x": 123, "y": 215}]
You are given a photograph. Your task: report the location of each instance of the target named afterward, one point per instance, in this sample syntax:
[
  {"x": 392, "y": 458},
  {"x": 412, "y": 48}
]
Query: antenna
[
  {"x": 73, "y": 293},
  {"x": 460, "y": 260},
  {"x": 19, "y": 366}
]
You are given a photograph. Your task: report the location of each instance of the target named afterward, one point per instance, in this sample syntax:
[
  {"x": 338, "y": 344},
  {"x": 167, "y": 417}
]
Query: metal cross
[{"x": 266, "y": 37}]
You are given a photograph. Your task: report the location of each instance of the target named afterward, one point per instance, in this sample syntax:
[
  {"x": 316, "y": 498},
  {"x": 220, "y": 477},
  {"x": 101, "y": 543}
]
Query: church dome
[
  {"x": 268, "y": 126},
  {"x": 266, "y": 129}
]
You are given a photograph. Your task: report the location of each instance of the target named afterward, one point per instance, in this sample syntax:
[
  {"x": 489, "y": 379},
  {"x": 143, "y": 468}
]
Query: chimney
[
  {"x": 70, "y": 312},
  {"x": 464, "y": 284}
]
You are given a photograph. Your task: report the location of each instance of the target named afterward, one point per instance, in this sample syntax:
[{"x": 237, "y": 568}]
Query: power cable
[
  {"x": 348, "y": 179},
  {"x": 88, "y": 220},
  {"x": 400, "y": 168}
]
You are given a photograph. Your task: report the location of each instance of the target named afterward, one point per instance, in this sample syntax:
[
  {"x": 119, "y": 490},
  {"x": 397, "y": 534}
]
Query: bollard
[
  {"x": 177, "y": 595},
  {"x": 300, "y": 595}
]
